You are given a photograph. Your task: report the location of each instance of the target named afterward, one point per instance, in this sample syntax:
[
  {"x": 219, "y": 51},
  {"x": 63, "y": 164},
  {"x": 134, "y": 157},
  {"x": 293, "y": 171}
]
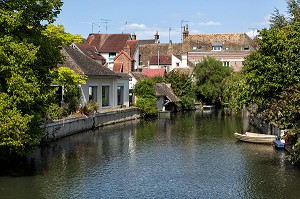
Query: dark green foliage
[
  {"x": 209, "y": 74},
  {"x": 146, "y": 100},
  {"x": 183, "y": 87},
  {"x": 26, "y": 58}
]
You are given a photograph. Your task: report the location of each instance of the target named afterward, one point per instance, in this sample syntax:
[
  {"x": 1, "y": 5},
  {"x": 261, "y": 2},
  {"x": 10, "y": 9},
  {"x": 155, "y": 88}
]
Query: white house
[{"x": 107, "y": 88}]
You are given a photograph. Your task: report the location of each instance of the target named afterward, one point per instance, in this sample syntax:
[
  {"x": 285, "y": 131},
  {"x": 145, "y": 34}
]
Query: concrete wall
[{"x": 68, "y": 127}]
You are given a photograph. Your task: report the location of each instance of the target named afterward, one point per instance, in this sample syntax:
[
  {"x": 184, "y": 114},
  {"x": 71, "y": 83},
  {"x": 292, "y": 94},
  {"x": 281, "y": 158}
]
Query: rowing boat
[{"x": 255, "y": 138}]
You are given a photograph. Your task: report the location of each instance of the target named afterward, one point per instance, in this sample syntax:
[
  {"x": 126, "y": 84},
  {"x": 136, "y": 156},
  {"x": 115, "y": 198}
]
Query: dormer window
[
  {"x": 217, "y": 46},
  {"x": 246, "y": 47}
]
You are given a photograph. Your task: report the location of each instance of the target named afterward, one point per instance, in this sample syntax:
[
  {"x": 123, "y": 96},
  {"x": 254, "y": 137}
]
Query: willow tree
[
  {"x": 209, "y": 75},
  {"x": 26, "y": 59}
]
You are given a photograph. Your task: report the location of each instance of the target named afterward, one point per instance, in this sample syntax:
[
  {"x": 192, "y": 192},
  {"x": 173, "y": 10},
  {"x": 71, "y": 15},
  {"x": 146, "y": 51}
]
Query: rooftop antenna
[
  {"x": 105, "y": 21},
  {"x": 170, "y": 29},
  {"x": 182, "y": 21},
  {"x": 126, "y": 22},
  {"x": 253, "y": 30},
  {"x": 92, "y": 24}
]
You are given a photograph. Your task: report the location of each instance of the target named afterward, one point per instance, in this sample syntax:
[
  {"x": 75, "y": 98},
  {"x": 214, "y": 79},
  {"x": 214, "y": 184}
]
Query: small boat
[
  {"x": 256, "y": 138},
  {"x": 279, "y": 144}
]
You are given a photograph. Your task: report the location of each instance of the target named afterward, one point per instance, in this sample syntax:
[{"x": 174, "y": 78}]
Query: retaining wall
[{"x": 68, "y": 127}]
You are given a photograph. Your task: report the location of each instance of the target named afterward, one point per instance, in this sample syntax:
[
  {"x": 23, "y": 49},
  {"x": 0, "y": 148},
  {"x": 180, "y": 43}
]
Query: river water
[{"x": 189, "y": 155}]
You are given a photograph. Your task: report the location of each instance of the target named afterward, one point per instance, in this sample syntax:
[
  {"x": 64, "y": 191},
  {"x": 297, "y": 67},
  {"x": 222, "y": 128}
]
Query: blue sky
[{"x": 144, "y": 18}]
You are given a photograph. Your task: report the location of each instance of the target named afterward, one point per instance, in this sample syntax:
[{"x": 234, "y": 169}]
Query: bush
[
  {"x": 147, "y": 106},
  {"x": 90, "y": 107},
  {"x": 54, "y": 112}
]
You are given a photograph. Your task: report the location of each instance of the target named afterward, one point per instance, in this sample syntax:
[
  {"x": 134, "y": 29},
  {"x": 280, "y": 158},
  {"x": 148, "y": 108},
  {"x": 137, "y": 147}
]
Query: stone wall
[{"x": 63, "y": 128}]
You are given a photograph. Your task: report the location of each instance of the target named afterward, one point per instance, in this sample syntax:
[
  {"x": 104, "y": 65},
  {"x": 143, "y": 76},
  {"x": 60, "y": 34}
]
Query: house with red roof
[
  {"x": 104, "y": 86},
  {"x": 110, "y": 45},
  {"x": 154, "y": 72},
  {"x": 161, "y": 61}
]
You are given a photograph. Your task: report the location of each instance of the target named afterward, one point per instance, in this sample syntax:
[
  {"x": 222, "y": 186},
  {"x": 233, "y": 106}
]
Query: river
[{"x": 189, "y": 155}]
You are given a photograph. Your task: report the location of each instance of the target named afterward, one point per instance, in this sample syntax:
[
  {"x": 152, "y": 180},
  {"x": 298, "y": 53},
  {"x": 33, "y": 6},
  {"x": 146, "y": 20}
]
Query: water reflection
[{"x": 189, "y": 155}]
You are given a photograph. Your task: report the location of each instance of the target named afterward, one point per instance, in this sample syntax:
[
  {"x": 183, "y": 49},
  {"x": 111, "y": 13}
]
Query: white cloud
[
  {"x": 209, "y": 23},
  {"x": 264, "y": 22},
  {"x": 135, "y": 26},
  {"x": 252, "y": 33}
]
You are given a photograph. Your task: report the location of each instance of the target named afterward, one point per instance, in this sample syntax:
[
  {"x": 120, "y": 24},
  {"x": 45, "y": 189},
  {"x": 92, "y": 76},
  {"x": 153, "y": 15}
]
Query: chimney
[
  {"x": 127, "y": 50},
  {"x": 133, "y": 36},
  {"x": 156, "y": 36},
  {"x": 185, "y": 32}
]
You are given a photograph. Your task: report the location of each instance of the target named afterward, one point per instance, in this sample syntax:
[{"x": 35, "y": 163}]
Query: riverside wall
[{"x": 63, "y": 128}]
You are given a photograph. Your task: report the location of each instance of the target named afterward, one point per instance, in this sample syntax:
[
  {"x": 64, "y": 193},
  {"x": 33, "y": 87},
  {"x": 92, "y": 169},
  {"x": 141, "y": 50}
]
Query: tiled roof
[
  {"x": 146, "y": 41},
  {"x": 124, "y": 53},
  {"x": 154, "y": 72},
  {"x": 230, "y": 42},
  {"x": 84, "y": 65},
  {"x": 139, "y": 75},
  {"x": 163, "y": 60},
  {"x": 89, "y": 51},
  {"x": 162, "y": 89},
  {"x": 149, "y": 50},
  {"x": 133, "y": 44},
  {"x": 108, "y": 42}
]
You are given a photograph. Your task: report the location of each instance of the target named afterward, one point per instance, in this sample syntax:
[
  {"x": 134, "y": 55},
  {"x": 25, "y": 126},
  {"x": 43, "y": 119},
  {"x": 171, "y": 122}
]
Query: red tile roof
[
  {"x": 163, "y": 60},
  {"x": 108, "y": 42},
  {"x": 89, "y": 51},
  {"x": 154, "y": 72}
]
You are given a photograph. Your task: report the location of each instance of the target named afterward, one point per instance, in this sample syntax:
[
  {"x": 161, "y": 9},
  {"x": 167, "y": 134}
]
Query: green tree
[
  {"x": 26, "y": 58},
  {"x": 69, "y": 80},
  {"x": 209, "y": 74},
  {"x": 146, "y": 100},
  {"x": 183, "y": 87},
  {"x": 57, "y": 32},
  {"x": 272, "y": 75}
]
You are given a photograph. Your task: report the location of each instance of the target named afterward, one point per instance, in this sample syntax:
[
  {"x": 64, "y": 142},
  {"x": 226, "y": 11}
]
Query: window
[
  {"x": 93, "y": 93},
  {"x": 217, "y": 48},
  {"x": 120, "y": 95},
  {"x": 246, "y": 47},
  {"x": 177, "y": 64},
  {"x": 111, "y": 57},
  {"x": 226, "y": 63},
  {"x": 105, "y": 95}
]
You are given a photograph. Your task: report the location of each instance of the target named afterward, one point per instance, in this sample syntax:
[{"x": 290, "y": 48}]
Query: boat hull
[{"x": 255, "y": 138}]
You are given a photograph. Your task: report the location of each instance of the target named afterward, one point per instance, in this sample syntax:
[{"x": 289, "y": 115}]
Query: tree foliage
[
  {"x": 26, "y": 58},
  {"x": 57, "y": 32},
  {"x": 146, "y": 100},
  {"x": 183, "y": 87},
  {"x": 209, "y": 74}
]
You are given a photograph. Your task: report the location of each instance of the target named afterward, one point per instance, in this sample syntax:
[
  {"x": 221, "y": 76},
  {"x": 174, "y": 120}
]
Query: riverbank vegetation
[
  {"x": 270, "y": 78},
  {"x": 29, "y": 52}
]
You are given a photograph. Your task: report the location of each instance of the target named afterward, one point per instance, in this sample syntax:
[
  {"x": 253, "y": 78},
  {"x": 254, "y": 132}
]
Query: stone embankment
[{"x": 63, "y": 128}]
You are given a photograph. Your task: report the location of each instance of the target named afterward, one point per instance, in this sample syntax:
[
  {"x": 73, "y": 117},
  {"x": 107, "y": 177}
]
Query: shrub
[{"x": 90, "y": 107}]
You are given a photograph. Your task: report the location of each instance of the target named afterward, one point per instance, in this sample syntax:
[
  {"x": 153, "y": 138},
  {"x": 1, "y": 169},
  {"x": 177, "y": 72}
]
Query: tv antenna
[
  {"x": 126, "y": 22},
  {"x": 92, "y": 24},
  {"x": 105, "y": 21},
  {"x": 170, "y": 29},
  {"x": 253, "y": 30}
]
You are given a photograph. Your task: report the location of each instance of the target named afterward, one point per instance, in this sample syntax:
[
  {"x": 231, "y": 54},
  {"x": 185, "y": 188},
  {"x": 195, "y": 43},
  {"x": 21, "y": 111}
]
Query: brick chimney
[
  {"x": 133, "y": 36},
  {"x": 185, "y": 32},
  {"x": 156, "y": 37}
]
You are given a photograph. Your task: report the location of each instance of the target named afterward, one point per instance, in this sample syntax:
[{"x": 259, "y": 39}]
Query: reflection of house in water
[{"x": 166, "y": 98}]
